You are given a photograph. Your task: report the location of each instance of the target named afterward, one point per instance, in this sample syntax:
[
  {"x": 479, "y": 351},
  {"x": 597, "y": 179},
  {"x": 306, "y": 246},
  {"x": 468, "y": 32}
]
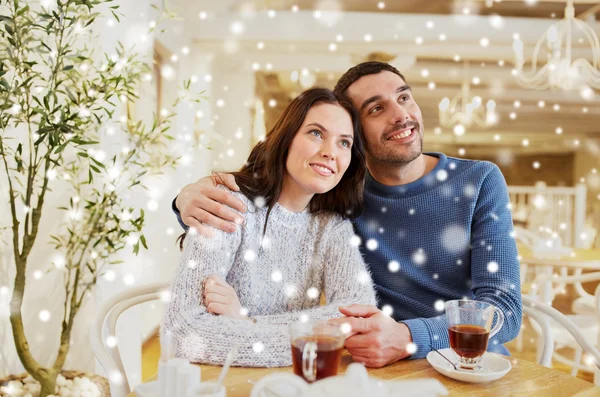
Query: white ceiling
[{"x": 295, "y": 40}]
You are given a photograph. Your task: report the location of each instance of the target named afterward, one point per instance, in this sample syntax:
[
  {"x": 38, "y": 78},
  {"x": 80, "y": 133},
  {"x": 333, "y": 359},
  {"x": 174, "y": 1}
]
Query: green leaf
[
  {"x": 83, "y": 154},
  {"x": 60, "y": 148},
  {"x": 83, "y": 142},
  {"x": 143, "y": 240},
  {"x": 22, "y": 11},
  {"x": 68, "y": 67},
  {"x": 98, "y": 163}
]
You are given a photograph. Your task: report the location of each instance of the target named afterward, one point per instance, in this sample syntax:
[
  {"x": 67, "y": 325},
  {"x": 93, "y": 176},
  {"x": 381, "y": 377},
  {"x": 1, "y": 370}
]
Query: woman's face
[{"x": 321, "y": 150}]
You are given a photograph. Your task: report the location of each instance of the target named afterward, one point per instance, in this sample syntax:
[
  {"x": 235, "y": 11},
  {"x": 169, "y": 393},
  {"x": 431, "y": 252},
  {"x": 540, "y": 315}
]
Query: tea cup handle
[
  {"x": 499, "y": 323},
  {"x": 309, "y": 361}
]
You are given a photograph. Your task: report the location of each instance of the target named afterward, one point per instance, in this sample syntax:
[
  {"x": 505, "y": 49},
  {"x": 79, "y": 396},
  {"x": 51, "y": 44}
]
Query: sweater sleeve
[
  {"x": 178, "y": 215},
  {"x": 495, "y": 272},
  {"x": 203, "y": 337},
  {"x": 346, "y": 280}
]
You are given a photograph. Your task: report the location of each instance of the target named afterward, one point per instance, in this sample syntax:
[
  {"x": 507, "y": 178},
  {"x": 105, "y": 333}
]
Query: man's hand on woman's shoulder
[{"x": 203, "y": 203}]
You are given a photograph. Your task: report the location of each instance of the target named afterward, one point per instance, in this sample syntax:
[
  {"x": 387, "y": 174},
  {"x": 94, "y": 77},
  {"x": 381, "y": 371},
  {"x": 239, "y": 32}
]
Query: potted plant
[{"x": 56, "y": 97}]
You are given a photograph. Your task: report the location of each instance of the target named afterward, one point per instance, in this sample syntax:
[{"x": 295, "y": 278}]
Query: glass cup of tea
[
  {"x": 316, "y": 349},
  {"x": 470, "y": 328}
]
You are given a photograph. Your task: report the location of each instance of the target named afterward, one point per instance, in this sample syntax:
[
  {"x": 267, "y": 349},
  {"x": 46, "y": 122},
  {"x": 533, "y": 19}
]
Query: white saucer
[{"x": 494, "y": 367}]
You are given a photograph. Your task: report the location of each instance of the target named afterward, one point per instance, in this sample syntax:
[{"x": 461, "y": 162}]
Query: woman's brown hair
[{"x": 263, "y": 173}]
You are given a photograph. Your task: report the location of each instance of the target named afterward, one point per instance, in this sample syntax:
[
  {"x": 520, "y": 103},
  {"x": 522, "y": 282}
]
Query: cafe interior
[{"x": 512, "y": 82}]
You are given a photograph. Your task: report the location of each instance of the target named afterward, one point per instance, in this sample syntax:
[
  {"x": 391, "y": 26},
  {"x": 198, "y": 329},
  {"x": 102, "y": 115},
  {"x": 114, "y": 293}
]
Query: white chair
[
  {"x": 537, "y": 310},
  {"x": 105, "y": 350},
  {"x": 586, "y": 324}
]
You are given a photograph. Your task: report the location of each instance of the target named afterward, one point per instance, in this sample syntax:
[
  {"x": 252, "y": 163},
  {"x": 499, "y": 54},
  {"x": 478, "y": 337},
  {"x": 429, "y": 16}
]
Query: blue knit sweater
[{"x": 436, "y": 239}]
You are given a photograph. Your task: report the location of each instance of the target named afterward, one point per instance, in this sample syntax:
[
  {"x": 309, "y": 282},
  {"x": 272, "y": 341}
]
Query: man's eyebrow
[
  {"x": 325, "y": 129},
  {"x": 375, "y": 98}
]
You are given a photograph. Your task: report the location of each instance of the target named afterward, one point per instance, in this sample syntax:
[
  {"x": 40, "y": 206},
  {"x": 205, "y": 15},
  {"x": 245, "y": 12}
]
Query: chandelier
[
  {"x": 561, "y": 71},
  {"x": 466, "y": 110}
]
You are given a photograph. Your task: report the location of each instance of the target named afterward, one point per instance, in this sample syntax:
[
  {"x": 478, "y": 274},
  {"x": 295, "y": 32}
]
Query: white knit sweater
[{"x": 301, "y": 256}]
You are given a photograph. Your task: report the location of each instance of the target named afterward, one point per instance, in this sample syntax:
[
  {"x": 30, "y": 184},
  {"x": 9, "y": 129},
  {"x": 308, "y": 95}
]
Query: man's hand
[
  {"x": 204, "y": 202},
  {"x": 220, "y": 298},
  {"x": 375, "y": 339}
]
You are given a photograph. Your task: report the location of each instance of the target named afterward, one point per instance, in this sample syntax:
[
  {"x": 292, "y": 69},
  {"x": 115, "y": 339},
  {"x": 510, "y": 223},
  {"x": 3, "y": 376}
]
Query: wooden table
[{"x": 525, "y": 379}]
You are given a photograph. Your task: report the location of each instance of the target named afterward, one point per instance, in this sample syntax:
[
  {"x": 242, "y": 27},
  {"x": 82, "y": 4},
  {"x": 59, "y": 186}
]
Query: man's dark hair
[{"x": 360, "y": 70}]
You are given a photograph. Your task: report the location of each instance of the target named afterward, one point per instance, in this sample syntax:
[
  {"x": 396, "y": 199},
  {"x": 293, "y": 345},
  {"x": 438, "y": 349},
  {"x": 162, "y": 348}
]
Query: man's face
[{"x": 390, "y": 118}]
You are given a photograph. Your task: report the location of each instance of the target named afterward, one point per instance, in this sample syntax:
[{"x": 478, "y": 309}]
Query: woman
[{"x": 300, "y": 184}]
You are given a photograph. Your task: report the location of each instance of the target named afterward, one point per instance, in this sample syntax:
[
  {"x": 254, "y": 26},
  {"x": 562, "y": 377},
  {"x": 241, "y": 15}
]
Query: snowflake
[
  {"x": 258, "y": 347},
  {"x": 111, "y": 341},
  {"x": 312, "y": 293},
  {"x": 192, "y": 264},
  {"x": 266, "y": 242},
  {"x": 452, "y": 166},
  {"x": 469, "y": 191},
  {"x": 128, "y": 279},
  {"x": 393, "y": 266},
  {"x": 411, "y": 348},
  {"x": 260, "y": 201},
  {"x": 411, "y": 211},
  {"x": 346, "y": 328},
  {"x": 455, "y": 239},
  {"x": 110, "y": 275},
  {"x": 419, "y": 257},
  {"x": 304, "y": 318},
  {"x": 439, "y": 305},
  {"x": 290, "y": 290},
  {"x": 459, "y": 262},
  {"x": 387, "y": 310},
  {"x": 441, "y": 175},
  {"x": 276, "y": 276},
  {"x": 249, "y": 255},
  {"x": 44, "y": 316},
  {"x": 492, "y": 267},
  {"x": 243, "y": 311},
  {"x": 372, "y": 244},
  {"x": 165, "y": 296},
  {"x": 355, "y": 241},
  {"x": 364, "y": 277},
  {"x": 116, "y": 377}
]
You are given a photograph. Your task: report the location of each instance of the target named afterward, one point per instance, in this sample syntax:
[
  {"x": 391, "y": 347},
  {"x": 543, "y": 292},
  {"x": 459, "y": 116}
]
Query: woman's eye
[
  {"x": 346, "y": 143},
  {"x": 405, "y": 98},
  {"x": 316, "y": 133}
]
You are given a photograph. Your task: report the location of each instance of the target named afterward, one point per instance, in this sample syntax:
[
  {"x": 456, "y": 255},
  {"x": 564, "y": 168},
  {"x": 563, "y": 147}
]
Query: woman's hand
[{"x": 221, "y": 298}]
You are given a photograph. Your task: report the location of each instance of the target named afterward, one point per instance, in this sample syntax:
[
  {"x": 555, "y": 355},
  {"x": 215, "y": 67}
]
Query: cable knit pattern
[{"x": 272, "y": 278}]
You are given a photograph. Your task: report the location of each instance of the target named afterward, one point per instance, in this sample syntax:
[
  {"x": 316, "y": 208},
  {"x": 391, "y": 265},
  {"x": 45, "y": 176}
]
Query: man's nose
[{"x": 400, "y": 114}]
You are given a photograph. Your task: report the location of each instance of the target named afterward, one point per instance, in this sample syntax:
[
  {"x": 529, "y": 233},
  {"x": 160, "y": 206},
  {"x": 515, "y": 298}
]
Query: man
[{"x": 434, "y": 228}]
